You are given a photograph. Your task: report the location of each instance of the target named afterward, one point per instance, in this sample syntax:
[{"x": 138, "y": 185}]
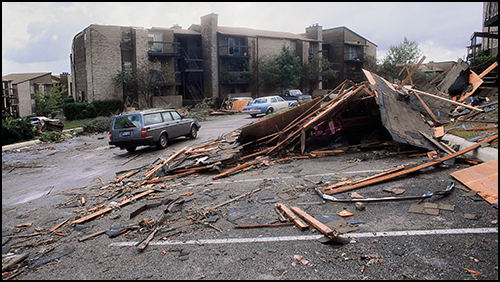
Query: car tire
[
  {"x": 253, "y": 115},
  {"x": 193, "y": 132},
  {"x": 130, "y": 149},
  {"x": 340, "y": 140},
  {"x": 269, "y": 110},
  {"x": 162, "y": 142}
]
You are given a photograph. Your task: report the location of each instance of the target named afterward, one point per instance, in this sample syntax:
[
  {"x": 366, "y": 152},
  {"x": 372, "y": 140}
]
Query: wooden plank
[
  {"x": 238, "y": 105},
  {"x": 410, "y": 170},
  {"x": 476, "y": 81},
  {"x": 412, "y": 71},
  {"x": 437, "y": 77},
  {"x": 439, "y": 131},
  {"x": 58, "y": 226},
  {"x": 448, "y": 100},
  {"x": 427, "y": 108},
  {"x": 91, "y": 235},
  {"x": 300, "y": 224},
  {"x": 490, "y": 68},
  {"x": 105, "y": 210},
  {"x": 149, "y": 173},
  {"x": 482, "y": 178},
  {"x": 314, "y": 222}
]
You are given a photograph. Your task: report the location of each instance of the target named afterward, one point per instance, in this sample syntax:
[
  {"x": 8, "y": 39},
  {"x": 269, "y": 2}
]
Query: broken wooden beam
[
  {"x": 431, "y": 114},
  {"x": 441, "y": 74},
  {"x": 154, "y": 169},
  {"x": 413, "y": 169},
  {"x": 235, "y": 169},
  {"x": 105, "y": 210},
  {"x": 300, "y": 224},
  {"x": 58, "y": 226},
  {"x": 412, "y": 71},
  {"x": 233, "y": 199},
  {"x": 448, "y": 100},
  {"x": 91, "y": 235},
  {"x": 325, "y": 230}
]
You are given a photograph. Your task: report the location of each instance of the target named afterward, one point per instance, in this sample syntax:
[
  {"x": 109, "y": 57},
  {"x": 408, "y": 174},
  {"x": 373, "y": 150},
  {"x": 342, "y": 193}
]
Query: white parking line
[{"x": 316, "y": 237}]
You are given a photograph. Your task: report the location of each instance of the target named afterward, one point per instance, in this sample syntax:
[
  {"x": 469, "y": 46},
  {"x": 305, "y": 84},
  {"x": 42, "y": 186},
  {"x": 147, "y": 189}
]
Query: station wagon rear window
[{"x": 127, "y": 122}]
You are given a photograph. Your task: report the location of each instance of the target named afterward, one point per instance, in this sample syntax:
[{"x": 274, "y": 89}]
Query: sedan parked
[{"x": 266, "y": 105}]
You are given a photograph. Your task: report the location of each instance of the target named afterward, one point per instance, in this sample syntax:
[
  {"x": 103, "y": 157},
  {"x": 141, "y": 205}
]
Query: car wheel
[
  {"x": 130, "y": 149},
  {"x": 253, "y": 115},
  {"x": 339, "y": 141},
  {"x": 269, "y": 110},
  {"x": 193, "y": 132},
  {"x": 162, "y": 142}
]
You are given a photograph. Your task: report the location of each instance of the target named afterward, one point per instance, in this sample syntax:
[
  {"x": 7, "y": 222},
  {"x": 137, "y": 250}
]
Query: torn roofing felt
[{"x": 402, "y": 122}]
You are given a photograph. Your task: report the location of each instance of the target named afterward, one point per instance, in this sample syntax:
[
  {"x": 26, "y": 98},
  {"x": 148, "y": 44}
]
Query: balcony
[
  {"x": 162, "y": 48},
  {"x": 234, "y": 51},
  {"x": 354, "y": 57},
  {"x": 236, "y": 77}
]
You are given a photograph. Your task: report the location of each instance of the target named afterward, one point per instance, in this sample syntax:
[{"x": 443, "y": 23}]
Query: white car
[
  {"x": 35, "y": 120},
  {"x": 265, "y": 105}
]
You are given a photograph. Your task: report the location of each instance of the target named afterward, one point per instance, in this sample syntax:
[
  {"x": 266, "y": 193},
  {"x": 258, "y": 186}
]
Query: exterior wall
[
  {"x": 24, "y": 94},
  {"x": 210, "y": 55},
  {"x": 105, "y": 62},
  {"x": 79, "y": 66}
]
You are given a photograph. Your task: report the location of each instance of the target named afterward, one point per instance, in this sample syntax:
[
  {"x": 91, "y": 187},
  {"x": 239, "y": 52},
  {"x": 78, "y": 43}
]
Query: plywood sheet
[
  {"x": 482, "y": 178},
  {"x": 238, "y": 105}
]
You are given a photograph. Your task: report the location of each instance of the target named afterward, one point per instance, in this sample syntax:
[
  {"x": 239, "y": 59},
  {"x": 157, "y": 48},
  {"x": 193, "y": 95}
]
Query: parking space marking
[{"x": 316, "y": 237}]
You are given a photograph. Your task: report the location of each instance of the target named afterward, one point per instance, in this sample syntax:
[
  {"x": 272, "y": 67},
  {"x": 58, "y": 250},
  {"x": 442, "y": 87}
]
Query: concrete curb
[
  {"x": 31, "y": 143},
  {"x": 485, "y": 154}
]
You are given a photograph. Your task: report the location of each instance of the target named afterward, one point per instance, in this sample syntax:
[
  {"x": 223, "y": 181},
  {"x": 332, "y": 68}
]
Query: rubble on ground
[{"x": 412, "y": 116}]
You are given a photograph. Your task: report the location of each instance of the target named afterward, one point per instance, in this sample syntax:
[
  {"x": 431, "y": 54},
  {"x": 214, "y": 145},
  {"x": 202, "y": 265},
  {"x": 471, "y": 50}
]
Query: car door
[
  {"x": 153, "y": 125},
  {"x": 281, "y": 103},
  {"x": 170, "y": 125},
  {"x": 184, "y": 125}
]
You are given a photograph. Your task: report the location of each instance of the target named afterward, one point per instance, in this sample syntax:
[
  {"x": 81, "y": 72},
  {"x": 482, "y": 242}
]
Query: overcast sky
[{"x": 37, "y": 36}]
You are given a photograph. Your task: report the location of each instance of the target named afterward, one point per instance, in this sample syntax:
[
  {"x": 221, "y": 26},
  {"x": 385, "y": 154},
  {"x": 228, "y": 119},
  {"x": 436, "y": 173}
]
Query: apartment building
[
  {"x": 205, "y": 60},
  {"x": 485, "y": 42},
  {"x": 18, "y": 90}
]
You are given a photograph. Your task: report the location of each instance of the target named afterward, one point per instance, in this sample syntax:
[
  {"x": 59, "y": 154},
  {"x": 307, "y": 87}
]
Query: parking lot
[{"x": 387, "y": 240}]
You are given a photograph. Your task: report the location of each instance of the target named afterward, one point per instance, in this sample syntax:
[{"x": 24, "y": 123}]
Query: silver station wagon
[{"x": 150, "y": 127}]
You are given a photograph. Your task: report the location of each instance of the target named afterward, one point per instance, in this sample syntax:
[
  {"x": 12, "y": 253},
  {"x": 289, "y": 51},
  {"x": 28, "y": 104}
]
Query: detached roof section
[{"x": 402, "y": 122}]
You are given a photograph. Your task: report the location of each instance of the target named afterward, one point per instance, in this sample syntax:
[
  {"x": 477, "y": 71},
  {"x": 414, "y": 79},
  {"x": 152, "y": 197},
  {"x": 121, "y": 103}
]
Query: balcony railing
[
  {"x": 234, "y": 50},
  {"x": 162, "y": 48},
  {"x": 354, "y": 56}
]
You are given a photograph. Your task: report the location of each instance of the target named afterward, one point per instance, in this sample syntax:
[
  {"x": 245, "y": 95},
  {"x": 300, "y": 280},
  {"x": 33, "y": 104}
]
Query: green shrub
[
  {"x": 16, "y": 130},
  {"x": 68, "y": 100},
  {"x": 74, "y": 111},
  {"x": 98, "y": 125},
  {"x": 200, "y": 109},
  {"x": 52, "y": 136}
]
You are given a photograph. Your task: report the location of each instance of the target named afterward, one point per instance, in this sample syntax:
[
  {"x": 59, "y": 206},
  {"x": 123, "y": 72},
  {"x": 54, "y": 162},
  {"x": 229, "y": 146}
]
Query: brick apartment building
[
  {"x": 18, "y": 91},
  {"x": 205, "y": 60}
]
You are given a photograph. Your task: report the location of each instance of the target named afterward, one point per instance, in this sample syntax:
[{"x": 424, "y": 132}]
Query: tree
[
  {"x": 315, "y": 70},
  {"x": 149, "y": 79},
  {"x": 283, "y": 71},
  {"x": 407, "y": 52},
  {"x": 49, "y": 102}
]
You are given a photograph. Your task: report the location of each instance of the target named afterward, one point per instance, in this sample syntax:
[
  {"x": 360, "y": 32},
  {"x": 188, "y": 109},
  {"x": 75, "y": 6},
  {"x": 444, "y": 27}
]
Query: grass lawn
[{"x": 76, "y": 123}]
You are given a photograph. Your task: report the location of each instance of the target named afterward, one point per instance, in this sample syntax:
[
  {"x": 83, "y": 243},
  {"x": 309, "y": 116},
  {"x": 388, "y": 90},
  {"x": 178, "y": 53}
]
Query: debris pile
[{"x": 412, "y": 116}]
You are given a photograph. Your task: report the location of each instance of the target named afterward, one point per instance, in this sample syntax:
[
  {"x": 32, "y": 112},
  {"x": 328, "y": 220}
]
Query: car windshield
[
  {"x": 294, "y": 92},
  {"x": 260, "y": 101},
  {"x": 126, "y": 122}
]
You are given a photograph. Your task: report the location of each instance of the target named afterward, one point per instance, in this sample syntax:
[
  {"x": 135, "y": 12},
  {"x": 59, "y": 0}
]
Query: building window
[
  {"x": 32, "y": 88},
  {"x": 293, "y": 47},
  {"x": 156, "y": 46},
  {"x": 234, "y": 46}
]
